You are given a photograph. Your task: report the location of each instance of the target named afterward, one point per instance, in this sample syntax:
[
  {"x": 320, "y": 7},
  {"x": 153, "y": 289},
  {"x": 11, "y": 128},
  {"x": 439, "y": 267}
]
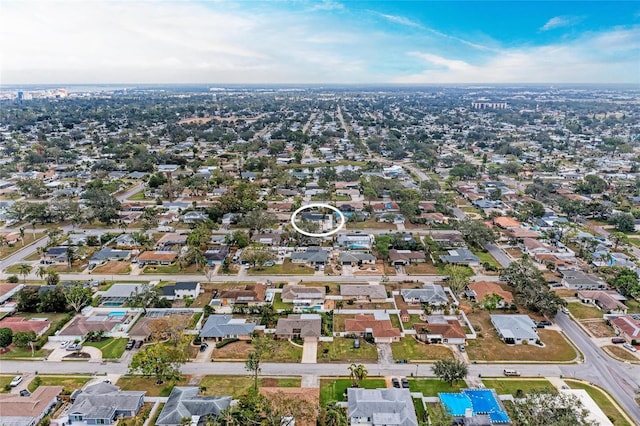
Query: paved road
[
  {"x": 620, "y": 379},
  {"x": 503, "y": 259}
]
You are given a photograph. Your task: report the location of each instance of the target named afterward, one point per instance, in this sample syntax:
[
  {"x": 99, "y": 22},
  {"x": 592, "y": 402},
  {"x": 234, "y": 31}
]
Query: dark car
[
  {"x": 540, "y": 325},
  {"x": 617, "y": 340},
  {"x": 395, "y": 382},
  {"x": 203, "y": 347},
  {"x": 130, "y": 344},
  {"x": 25, "y": 392},
  {"x": 138, "y": 344},
  {"x": 545, "y": 322},
  {"x": 405, "y": 382}
]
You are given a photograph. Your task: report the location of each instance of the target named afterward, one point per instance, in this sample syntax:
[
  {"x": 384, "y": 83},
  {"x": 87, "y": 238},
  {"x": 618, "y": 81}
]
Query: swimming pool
[
  {"x": 480, "y": 401},
  {"x": 117, "y": 314}
]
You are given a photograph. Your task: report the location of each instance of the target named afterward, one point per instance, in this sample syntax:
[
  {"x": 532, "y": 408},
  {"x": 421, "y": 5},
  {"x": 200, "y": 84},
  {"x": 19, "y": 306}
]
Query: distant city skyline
[{"x": 319, "y": 42}]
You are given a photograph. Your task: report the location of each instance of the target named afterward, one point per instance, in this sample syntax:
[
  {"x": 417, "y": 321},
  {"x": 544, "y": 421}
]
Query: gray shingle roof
[
  {"x": 515, "y": 326},
  {"x": 185, "y": 402},
  {"x": 385, "y": 406},
  {"x": 430, "y": 293},
  {"x": 226, "y": 325},
  {"x": 373, "y": 291},
  {"x": 102, "y": 399}
]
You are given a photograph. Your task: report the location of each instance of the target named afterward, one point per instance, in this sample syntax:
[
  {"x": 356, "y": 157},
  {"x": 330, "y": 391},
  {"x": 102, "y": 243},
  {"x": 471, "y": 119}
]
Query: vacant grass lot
[
  {"x": 489, "y": 347},
  {"x": 370, "y": 224},
  {"x": 283, "y": 351},
  {"x": 410, "y": 349},
  {"x": 332, "y": 390},
  {"x": 69, "y": 383},
  {"x": 111, "y": 348},
  {"x": 511, "y": 386},
  {"x": 149, "y": 385},
  {"x": 342, "y": 350},
  {"x": 237, "y": 386},
  {"x": 582, "y": 311},
  {"x": 113, "y": 267},
  {"x": 171, "y": 269},
  {"x": 426, "y": 268},
  {"x": 279, "y": 304},
  {"x": 6, "y": 251},
  {"x": 286, "y": 268},
  {"x": 620, "y": 352},
  {"x": 431, "y": 387},
  {"x": 599, "y": 396}
]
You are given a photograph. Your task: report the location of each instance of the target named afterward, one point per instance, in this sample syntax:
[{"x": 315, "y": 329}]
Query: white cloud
[
  {"x": 401, "y": 20},
  {"x": 587, "y": 60},
  {"x": 327, "y": 5},
  {"x": 559, "y": 21}
]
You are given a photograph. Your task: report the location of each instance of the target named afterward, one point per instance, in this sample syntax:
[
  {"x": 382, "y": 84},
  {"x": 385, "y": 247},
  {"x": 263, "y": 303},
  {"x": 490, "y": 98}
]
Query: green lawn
[
  {"x": 599, "y": 396},
  {"x": 334, "y": 389},
  {"x": 286, "y": 268},
  {"x": 138, "y": 196},
  {"x": 111, "y": 348},
  {"x": 486, "y": 257},
  {"x": 410, "y": 349},
  {"x": 69, "y": 383},
  {"x": 284, "y": 352},
  {"x": 431, "y": 387},
  {"x": 421, "y": 412},
  {"x": 148, "y": 384},
  {"x": 633, "y": 305},
  {"x": 15, "y": 352},
  {"x": 511, "y": 386},
  {"x": 341, "y": 349},
  {"x": 4, "y": 381},
  {"x": 170, "y": 269},
  {"x": 236, "y": 386},
  {"x": 582, "y": 311},
  {"x": 279, "y": 304}
]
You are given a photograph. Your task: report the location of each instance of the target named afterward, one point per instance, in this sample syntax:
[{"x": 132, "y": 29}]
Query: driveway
[
  {"x": 309, "y": 351},
  {"x": 59, "y": 353},
  {"x": 385, "y": 355}
]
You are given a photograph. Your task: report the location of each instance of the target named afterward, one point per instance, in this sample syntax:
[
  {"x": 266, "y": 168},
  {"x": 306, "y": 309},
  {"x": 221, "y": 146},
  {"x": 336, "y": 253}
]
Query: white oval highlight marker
[{"x": 321, "y": 206}]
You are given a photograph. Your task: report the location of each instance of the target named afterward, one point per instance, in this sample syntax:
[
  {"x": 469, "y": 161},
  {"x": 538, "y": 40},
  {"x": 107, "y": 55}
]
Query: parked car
[
  {"x": 511, "y": 373},
  {"x": 461, "y": 348},
  {"x": 565, "y": 310},
  {"x": 25, "y": 392},
  {"x": 64, "y": 344},
  {"x": 539, "y": 325},
  {"x": 203, "y": 346},
  {"x": 74, "y": 347},
  {"x": 395, "y": 382},
  {"x": 545, "y": 322},
  {"x": 269, "y": 263},
  {"x": 15, "y": 381},
  {"x": 130, "y": 344},
  {"x": 630, "y": 347},
  {"x": 617, "y": 340},
  {"x": 405, "y": 382},
  {"x": 92, "y": 266},
  {"x": 138, "y": 344}
]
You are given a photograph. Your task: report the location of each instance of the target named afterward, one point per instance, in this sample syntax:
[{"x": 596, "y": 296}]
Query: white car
[
  {"x": 65, "y": 343},
  {"x": 15, "y": 381},
  {"x": 630, "y": 347}
]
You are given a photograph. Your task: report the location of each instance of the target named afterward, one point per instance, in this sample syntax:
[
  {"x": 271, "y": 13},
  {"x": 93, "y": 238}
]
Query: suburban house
[
  {"x": 432, "y": 294},
  {"x": 356, "y": 258},
  {"x": 515, "y": 329},
  {"x": 299, "y": 326},
  {"x": 56, "y": 254},
  {"x": 404, "y": 315},
  {"x": 610, "y": 301},
  {"x": 311, "y": 256},
  {"x": 506, "y": 222},
  {"x": 388, "y": 406},
  {"x": 7, "y": 290},
  {"x": 181, "y": 289},
  {"x": 267, "y": 239},
  {"x": 627, "y": 327},
  {"x": 16, "y": 410},
  {"x": 185, "y": 403},
  {"x": 355, "y": 240},
  {"x": 390, "y": 207},
  {"x": 578, "y": 280},
  {"x": 157, "y": 258},
  {"x": 193, "y": 217},
  {"x": 405, "y": 257},
  {"x": 363, "y": 293},
  {"x": 103, "y": 403},
  {"x": 216, "y": 255},
  {"x": 303, "y": 297},
  {"x": 439, "y": 329},
  {"x": 220, "y": 327},
  {"x": 449, "y": 240},
  {"x": 477, "y": 291},
  {"x": 118, "y": 294},
  {"x": 376, "y": 326},
  {"x": 171, "y": 239},
  {"x": 475, "y": 407},
  {"x": 460, "y": 256},
  {"x": 107, "y": 253},
  {"x": 251, "y": 294},
  {"x": 16, "y": 324}
]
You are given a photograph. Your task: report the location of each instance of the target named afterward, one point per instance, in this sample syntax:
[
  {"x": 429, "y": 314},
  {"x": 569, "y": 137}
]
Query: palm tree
[
  {"x": 24, "y": 269},
  {"x": 71, "y": 255},
  {"x": 22, "y": 235},
  {"x": 357, "y": 373},
  {"x": 41, "y": 272}
]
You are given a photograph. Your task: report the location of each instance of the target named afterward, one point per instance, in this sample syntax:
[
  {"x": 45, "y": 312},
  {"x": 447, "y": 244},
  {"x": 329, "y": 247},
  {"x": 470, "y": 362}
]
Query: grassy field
[
  {"x": 489, "y": 347},
  {"x": 149, "y": 385},
  {"x": 603, "y": 402},
  {"x": 111, "y": 348},
  {"x": 431, "y": 387},
  {"x": 237, "y": 386},
  {"x": 486, "y": 257},
  {"x": 511, "y": 386},
  {"x": 426, "y": 268},
  {"x": 334, "y": 389},
  {"x": 410, "y": 349},
  {"x": 582, "y": 311},
  {"x": 69, "y": 383},
  {"x": 6, "y": 251},
  {"x": 279, "y": 304},
  {"x": 113, "y": 267},
  {"x": 15, "y": 352},
  {"x": 621, "y": 352},
  {"x": 284, "y": 351},
  {"x": 170, "y": 269},
  {"x": 138, "y": 196},
  {"x": 286, "y": 268},
  {"x": 370, "y": 224},
  {"x": 342, "y": 350},
  {"x": 4, "y": 381}
]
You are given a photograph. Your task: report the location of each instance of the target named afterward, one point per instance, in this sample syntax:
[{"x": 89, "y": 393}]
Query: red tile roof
[{"x": 379, "y": 328}]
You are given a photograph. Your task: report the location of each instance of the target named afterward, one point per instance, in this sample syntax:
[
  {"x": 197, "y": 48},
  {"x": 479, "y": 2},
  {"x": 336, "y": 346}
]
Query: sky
[{"x": 318, "y": 42}]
